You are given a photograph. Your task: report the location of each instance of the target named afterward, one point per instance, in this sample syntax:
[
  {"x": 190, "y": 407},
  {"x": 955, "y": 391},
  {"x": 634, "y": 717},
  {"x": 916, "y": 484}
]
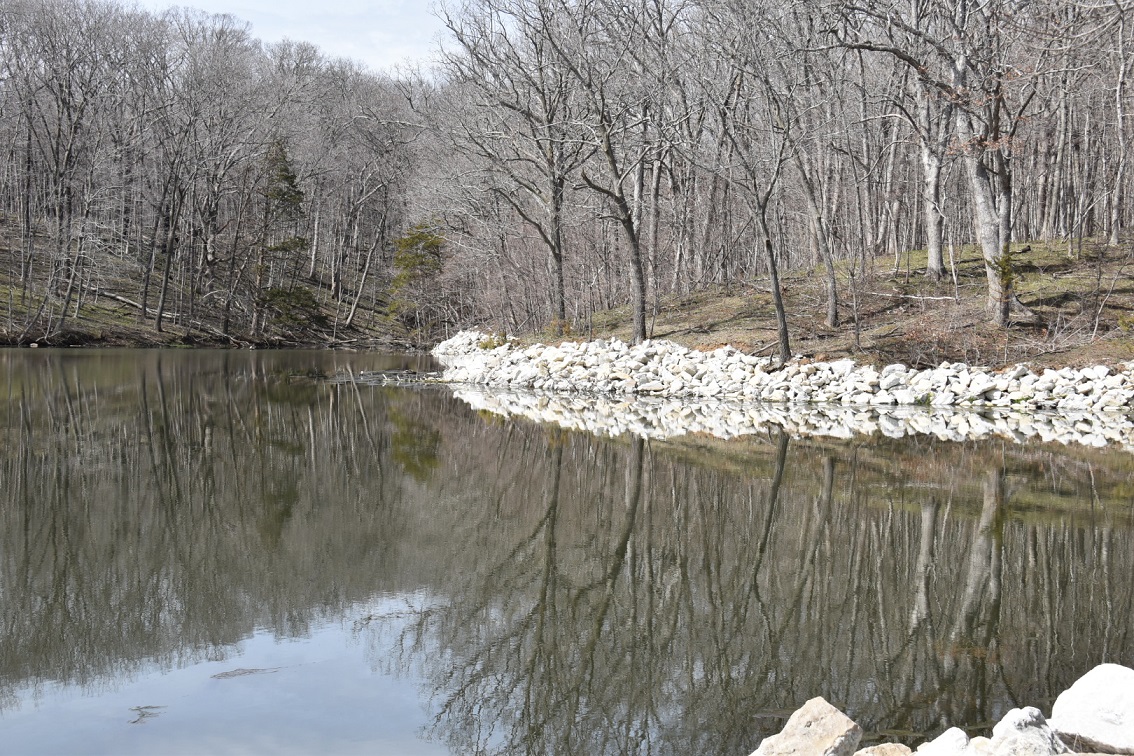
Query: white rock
[
  {"x": 904, "y": 396},
  {"x": 1092, "y": 402},
  {"x": 890, "y": 380},
  {"x": 1016, "y": 373},
  {"x": 1024, "y": 732},
  {"x": 816, "y": 729},
  {"x": 1097, "y": 712},
  {"x": 1098, "y": 372},
  {"x": 952, "y": 742}
]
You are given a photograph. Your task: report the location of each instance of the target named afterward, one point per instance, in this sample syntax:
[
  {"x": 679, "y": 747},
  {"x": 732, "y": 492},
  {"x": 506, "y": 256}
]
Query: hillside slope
[{"x": 1077, "y": 308}]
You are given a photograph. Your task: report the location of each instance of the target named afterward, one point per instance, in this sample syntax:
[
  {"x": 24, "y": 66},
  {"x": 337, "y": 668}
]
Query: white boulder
[
  {"x": 1097, "y": 712},
  {"x": 952, "y": 742},
  {"x": 1025, "y": 732},
  {"x": 816, "y": 729}
]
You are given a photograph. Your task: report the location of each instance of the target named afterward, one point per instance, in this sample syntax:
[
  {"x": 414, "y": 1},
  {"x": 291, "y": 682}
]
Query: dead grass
[{"x": 1076, "y": 309}]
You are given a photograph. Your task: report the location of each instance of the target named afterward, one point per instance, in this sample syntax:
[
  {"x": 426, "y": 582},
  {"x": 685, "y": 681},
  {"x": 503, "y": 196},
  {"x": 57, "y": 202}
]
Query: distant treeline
[
  {"x": 176, "y": 163},
  {"x": 564, "y": 156}
]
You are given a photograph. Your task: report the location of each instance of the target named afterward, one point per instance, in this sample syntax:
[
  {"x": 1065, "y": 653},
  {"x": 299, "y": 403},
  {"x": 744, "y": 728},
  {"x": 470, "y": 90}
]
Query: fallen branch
[
  {"x": 101, "y": 293},
  {"x": 219, "y": 333},
  {"x": 908, "y": 296},
  {"x": 754, "y": 287}
]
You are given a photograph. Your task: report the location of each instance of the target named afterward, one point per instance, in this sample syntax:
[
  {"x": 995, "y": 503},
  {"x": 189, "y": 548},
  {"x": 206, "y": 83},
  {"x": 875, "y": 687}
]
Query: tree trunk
[
  {"x": 933, "y": 133},
  {"x": 986, "y": 223},
  {"x": 991, "y": 218},
  {"x": 777, "y": 294},
  {"x": 820, "y": 239},
  {"x": 1117, "y": 197},
  {"x": 934, "y": 219},
  {"x": 558, "y": 287},
  {"x": 170, "y": 235}
]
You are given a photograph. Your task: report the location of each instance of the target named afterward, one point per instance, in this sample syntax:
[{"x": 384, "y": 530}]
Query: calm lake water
[{"x": 223, "y": 552}]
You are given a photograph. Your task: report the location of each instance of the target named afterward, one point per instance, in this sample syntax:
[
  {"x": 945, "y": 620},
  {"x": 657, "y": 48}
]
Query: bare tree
[
  {"x": 750, "y": 126},
  {"x": 519, "y": 115},
  {"x": 618, "y": 55},
  {"x": 965, "y": 51}
]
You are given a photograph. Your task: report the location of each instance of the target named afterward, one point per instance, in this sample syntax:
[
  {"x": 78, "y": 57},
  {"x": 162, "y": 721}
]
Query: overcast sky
[{"x": 379, "y": 33}]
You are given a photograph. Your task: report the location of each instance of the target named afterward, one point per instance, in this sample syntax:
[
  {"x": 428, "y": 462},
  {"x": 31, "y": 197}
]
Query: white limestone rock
[
  {"x": 952, "y": 742},
  {"x": 980, "y": 746},
  {"x": 816, "y": 729},
  {"x": 885, "y": 749},
  {"x": 1025, "y": 732},
  {"x": 904, "y": 396},
  {"x": 1097, "y": 712}
]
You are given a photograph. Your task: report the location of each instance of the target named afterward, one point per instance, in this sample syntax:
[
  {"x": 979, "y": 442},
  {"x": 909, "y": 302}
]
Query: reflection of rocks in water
[{"x": 653, "y": 417}]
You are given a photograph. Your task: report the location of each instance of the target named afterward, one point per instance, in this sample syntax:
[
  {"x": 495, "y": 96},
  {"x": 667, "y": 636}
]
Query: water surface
[{"x": 223, "y": 551}]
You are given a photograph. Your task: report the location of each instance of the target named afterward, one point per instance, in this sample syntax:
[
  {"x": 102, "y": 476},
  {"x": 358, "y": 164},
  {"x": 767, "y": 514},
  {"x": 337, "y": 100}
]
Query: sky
[{"x": 379, "y": 33}]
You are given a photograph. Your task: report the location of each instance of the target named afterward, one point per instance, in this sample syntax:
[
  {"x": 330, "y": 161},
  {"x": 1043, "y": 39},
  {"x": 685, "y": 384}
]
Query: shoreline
[
  {"x": 659, "y": 389},
  {"x": 656, "y": 389},
  {"x": 1092, "y": 717}
]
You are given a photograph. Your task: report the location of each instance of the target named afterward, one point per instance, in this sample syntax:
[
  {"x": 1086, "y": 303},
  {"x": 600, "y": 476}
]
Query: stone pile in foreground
[
  {"x": 1093, "y": 716},
  {"x": 1090, "y": 406}
]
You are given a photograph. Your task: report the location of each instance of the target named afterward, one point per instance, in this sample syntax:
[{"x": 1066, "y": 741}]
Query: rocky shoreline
[
  {"x": 660, "y": 389},
  {"x": 1093, "y": 716}
]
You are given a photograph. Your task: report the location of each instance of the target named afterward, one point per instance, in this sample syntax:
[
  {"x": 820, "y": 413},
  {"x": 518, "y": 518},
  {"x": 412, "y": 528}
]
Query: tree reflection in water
[
  {"x": 584, "y": 595},
  {"x": 638, "y": 603}
]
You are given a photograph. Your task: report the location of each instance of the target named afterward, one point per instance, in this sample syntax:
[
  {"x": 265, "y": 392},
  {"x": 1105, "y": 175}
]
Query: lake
[{"x": 244, "y": 552}]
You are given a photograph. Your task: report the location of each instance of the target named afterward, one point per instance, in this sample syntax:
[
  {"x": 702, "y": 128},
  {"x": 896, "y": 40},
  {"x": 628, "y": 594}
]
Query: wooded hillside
[{"x": 563, "y": 158}]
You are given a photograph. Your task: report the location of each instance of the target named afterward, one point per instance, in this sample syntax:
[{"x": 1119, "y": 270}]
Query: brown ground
[{"x": 1081, "y": 312}]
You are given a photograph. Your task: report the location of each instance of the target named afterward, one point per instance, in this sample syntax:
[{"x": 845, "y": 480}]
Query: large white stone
[
  {"x": 1097, "y": 712},
  {"x": 1098, "y": 372},
  {"x": 816, "y": 729},
  {"x": 890, "y": 380},
  {"x": 1024, "y": 732},
  {"x": 952, "y": 742}
]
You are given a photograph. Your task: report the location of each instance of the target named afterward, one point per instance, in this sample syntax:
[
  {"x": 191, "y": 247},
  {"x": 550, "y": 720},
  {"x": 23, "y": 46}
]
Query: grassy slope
[{"x": 902, "y": 317}]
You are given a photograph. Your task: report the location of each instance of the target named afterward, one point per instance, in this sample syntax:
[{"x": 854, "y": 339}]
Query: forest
[{"x": 557, "y": 159}]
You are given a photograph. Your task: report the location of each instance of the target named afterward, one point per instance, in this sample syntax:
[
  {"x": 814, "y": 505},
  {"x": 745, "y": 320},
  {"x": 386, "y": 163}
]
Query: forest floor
[
  {"x": 1078, "y": 309},
  {"x": 104, "y": 319},
  {"x": 105, "y": 310}
]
